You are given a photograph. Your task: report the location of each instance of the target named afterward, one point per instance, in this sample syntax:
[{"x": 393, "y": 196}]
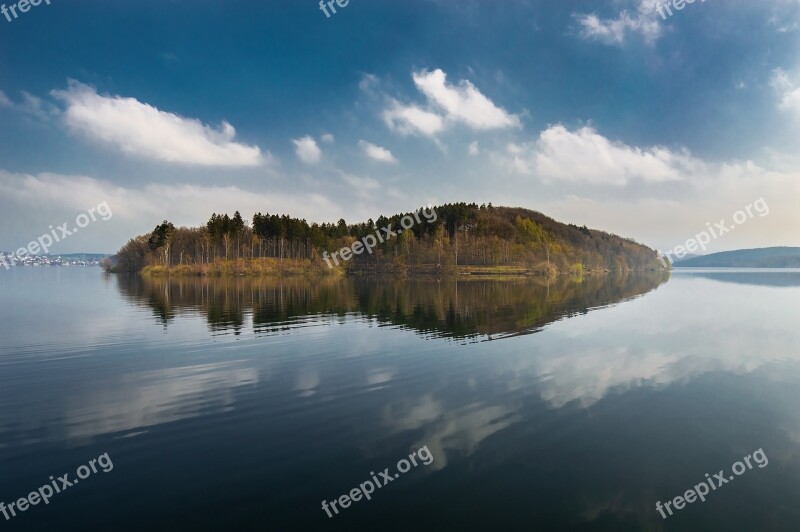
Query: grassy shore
[
  {"x": 271, "y": 267},
  {"x": 266, "y": 267}
]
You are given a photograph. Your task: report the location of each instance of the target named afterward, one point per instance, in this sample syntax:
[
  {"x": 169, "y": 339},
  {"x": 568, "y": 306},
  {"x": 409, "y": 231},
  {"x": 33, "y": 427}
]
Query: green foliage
[
  {"x": 529, "y": 230},
  {"x": 160, "y": 235},
  {"x": 462, "y": 235}
]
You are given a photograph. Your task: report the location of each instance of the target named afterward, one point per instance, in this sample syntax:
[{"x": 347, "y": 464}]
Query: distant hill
[{"x": 779, "y": 257}]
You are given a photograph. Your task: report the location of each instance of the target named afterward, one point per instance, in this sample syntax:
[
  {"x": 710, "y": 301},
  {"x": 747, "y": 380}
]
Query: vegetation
[{"x": 464, "y": 237}]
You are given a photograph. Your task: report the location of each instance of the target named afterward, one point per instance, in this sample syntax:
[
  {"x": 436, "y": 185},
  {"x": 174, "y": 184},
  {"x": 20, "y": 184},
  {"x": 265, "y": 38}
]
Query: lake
[{"x": 243, "y": 404}]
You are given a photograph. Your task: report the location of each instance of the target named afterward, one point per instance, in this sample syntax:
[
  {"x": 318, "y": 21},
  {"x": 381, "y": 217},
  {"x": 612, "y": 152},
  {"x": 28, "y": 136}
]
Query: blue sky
[{"x": 594, "y": 112}]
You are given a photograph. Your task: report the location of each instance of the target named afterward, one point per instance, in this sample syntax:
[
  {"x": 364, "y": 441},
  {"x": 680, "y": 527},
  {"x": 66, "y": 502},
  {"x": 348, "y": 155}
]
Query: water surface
[{"x": 241, "y": 404}]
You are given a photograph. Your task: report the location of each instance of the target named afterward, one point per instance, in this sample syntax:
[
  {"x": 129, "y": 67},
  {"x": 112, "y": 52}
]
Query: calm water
[{"x": 241, "y": 405}]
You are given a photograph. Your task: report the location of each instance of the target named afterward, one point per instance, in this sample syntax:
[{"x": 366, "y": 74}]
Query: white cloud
[
  {"x": 361, "y": 183},
  {"x": 586, "y": 156},
  {"x": 409, "y": 119},
  {"x": 784, "y": 16},
  {"x": 473, "y": 148},
  {"x": 368, "y": 82},
  {"x": 616, "y": 30},
  {"x": 31, "y": 106},
  {"x": 447, "y": 105},
  {"x": 307, "y": 150},
  {"x": 34, "y": 201},
  {"x": 780, "y": 80},
  {"x": 36, "y": 107},
  {"x": 187, "y": 204},
  {"x": 788, "y": 91},
  {"x": 377, "y": 153},
  {"x": 463, "y": 103},
  {"x": 141, "y": 130},
  {"x": 329, "y": 138}
]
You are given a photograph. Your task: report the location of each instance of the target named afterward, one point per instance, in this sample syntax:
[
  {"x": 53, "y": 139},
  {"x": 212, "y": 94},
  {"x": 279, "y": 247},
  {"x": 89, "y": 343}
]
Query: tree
[
  {"x": 160, "y": 238},
  {"x": 463, "y": 234},
  {"x": 131, "y": 257},
  {"x": 236, "y": 228}
]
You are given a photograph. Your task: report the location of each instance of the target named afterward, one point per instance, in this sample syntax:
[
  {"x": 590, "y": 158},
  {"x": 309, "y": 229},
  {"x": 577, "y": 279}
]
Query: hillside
[
  {"x": 451, "y": 238},
  {"x": 778, "y": 257}
]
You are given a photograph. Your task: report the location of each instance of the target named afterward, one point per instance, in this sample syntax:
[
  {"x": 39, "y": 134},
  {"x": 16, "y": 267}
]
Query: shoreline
[{"x": 269, "y": 267}]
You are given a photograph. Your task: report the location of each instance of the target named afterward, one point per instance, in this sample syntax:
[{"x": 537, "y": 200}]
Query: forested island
[{"x": 460, "y": 239}]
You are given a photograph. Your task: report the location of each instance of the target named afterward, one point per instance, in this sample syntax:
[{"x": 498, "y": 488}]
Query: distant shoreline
[{"x": 772, "y": 257}]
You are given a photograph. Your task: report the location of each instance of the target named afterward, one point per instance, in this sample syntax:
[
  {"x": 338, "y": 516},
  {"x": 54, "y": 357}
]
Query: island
[{"x": 449, "y": 239}]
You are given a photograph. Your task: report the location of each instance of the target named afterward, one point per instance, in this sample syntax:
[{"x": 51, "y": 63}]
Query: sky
[{"x": 601, "y": 113}]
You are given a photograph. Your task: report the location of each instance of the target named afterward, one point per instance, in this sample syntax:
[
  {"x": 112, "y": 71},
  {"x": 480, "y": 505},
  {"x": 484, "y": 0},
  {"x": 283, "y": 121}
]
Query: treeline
[{"x": 448, "y": 236}]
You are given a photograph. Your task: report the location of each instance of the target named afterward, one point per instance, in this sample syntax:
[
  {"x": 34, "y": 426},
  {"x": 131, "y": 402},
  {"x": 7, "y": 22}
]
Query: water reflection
[
  {"x": 784, "y": 277},
  {"x": 124, "y": 403},
  {"x": 470, "y": 310},
  {"x": 139, "y": 400}
]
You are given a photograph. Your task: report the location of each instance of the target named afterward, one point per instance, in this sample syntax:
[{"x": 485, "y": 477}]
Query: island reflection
[{"x": 462, "y": 309}]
